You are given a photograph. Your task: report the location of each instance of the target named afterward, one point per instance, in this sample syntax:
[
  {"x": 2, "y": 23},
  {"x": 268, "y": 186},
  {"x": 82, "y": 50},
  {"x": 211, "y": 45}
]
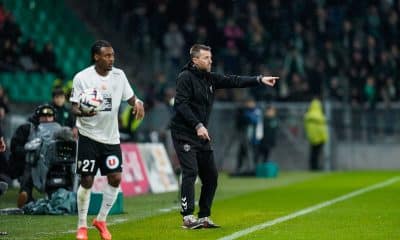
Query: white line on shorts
[{"x": 309, "y": 209}]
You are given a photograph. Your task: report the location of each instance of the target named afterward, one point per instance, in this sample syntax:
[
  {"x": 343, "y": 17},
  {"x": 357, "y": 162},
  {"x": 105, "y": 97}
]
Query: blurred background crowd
[{"x": 345, "y": 52}]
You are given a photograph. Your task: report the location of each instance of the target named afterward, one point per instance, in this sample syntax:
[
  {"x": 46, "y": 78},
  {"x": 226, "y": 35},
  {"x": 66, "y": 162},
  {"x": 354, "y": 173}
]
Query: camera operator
[{"x": 24, "y": 133}]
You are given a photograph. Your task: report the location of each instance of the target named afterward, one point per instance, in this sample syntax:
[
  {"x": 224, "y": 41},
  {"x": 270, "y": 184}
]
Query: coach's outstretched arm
[{"x": 234, "y": 81}]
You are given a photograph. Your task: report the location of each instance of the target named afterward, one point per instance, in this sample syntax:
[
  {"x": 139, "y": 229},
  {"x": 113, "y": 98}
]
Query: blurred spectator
[
  {"x": 257, "y": 49},
  {"x": 270, "y": 128},
  {"x": 4, "y": 108},
  {"x": 174, "y": 44},
  {"x": 373, "y": 21},
  {"x": 316, "y": 131},
  {"x": 370, "y": 96},
  {"x": 370, "y": 93},
  {"x": 331, "y": 58},
  {"x": 10, "y": 29},
  {"x": 63, "y": 114},
  {"x": 233, "y": 33},
  {"x": 4, "y": 165},
  {"x": 48, "y": 60},
  {"x": 29, "y": 56},
  {"x": 389, "y": 93},
  {"x": 347, "y": 35},
  {"x": 9, "y": 56},
  {"x": 5, "y": 180},
  {"x": 158, "y": 23},
  {"x": 249, "y": 127},
  {"x": 294, "y": 62},
  {"x": 336, "y": 91},
  {"x": 3, "y": 14},
  {"x": 190, "y": 31},
  {"x": 140, "y": 29},
  {"x": 299, "y": 88},
  {"x": 202, "y": 35},
  {"x": 391, "y": 28},
  {"x": 231, "y": 59}
]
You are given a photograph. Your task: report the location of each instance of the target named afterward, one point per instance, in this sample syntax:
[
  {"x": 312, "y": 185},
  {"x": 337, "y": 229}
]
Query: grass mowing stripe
[{"x": 309, "y": 209}]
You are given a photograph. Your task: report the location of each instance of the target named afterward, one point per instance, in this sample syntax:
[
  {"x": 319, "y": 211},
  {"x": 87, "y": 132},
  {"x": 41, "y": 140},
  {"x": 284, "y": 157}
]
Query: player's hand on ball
[
  {"x": 138, "y": 109},
  {"x": 269, "y": 80},
  {"x": 88, "y": 114}
]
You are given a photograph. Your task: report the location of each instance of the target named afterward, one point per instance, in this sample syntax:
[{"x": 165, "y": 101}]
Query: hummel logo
[{"x": 184, "y": 203}]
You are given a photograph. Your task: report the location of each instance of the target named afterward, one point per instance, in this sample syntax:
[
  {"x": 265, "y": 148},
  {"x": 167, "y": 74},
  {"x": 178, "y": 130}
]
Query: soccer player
[
  {"x": 195, "y": 89},
  {"x": 98, "y": 137}
]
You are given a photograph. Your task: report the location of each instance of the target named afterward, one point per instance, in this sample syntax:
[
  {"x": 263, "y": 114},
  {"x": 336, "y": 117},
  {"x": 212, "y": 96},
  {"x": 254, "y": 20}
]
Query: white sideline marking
[
  {"x": 309, "y": 209},
  {"x": 170, "y": 209}
]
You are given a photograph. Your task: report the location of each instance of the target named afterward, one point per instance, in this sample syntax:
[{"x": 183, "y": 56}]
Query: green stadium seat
[
  {"x": 6, "y": 80},
  {"x": 20, "y": 79},
  {"x": 47, "y": 21}
]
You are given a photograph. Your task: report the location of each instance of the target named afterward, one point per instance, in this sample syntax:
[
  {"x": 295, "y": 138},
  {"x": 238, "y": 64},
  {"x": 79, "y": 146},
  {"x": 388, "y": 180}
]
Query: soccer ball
[{"x": 90, "y": 100}]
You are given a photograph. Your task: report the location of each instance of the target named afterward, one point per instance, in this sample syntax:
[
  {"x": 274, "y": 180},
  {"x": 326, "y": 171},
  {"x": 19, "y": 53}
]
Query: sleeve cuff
[
  {"x": 199, "y": 125},
  {"x": 259, "y": 78}
]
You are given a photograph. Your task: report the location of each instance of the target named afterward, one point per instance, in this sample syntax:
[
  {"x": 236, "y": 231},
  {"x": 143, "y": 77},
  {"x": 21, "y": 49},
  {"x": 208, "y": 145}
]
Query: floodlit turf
[{"x": 242, "y": 203}]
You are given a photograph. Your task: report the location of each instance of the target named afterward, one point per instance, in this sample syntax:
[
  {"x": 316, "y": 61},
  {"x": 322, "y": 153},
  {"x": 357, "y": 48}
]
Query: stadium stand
[
  {"x": 317, "y": 47},
  {"x": 46, "y": 41}
]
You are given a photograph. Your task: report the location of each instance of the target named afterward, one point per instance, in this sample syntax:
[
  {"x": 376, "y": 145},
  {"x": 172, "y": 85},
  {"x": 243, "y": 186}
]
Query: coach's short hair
[
  {"x": 97, "y": 46},
  {"x": 195, "y": 49}
]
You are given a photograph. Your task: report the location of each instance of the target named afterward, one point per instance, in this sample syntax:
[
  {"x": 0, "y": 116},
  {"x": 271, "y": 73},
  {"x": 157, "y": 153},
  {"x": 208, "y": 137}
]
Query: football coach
[{"x": 195, "y": 89}]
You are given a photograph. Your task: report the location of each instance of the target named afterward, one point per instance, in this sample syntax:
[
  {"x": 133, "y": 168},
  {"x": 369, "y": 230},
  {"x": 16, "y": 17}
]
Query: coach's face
[
  {"x": 203, "y": 61},
  {"x": 105, "y": 59}
]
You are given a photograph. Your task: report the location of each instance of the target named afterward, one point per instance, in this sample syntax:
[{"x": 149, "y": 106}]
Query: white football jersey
[{"x": 103, "y": 127}]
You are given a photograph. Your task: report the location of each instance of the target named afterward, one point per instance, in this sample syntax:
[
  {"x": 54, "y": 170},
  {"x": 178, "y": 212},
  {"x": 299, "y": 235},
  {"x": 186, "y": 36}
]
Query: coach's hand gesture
[
  {"x": 202, "y": 133},
  {"x": 269, "y": 80}
]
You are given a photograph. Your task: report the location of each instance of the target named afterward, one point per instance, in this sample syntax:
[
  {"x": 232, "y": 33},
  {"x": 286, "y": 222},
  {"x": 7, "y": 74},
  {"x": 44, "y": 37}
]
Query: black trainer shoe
[
  {"x": 191, "y": 222},
  {"x": 208, "y": 223}
]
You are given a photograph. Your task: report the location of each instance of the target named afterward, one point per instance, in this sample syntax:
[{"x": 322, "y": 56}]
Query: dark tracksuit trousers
[
  {"x": 196, "y": 158},
  {"x": 315, "y": 152}
]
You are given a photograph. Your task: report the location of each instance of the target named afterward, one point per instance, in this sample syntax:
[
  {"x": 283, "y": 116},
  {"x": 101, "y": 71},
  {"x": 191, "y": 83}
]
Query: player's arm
[
  {"x": 138, "y": 107},
  {"x": 129, "y": 96}
]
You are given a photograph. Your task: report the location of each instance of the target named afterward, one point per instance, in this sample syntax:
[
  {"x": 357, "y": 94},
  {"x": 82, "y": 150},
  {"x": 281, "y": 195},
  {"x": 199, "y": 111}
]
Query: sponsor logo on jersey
[{"x": 112, "y": 162}]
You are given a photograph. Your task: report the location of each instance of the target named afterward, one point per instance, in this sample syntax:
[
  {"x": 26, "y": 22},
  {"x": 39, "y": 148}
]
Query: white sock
[
  {"x": 109, "y": 196},
  {"x": 83, "y": 199}
]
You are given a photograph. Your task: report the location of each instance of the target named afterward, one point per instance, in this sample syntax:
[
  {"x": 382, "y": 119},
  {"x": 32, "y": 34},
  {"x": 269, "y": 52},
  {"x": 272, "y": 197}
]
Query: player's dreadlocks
[{"x": 97, "y": 46}]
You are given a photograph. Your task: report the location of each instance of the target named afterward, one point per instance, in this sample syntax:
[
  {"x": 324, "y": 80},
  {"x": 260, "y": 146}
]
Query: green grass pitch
[{"x": 242, "y": 203}]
